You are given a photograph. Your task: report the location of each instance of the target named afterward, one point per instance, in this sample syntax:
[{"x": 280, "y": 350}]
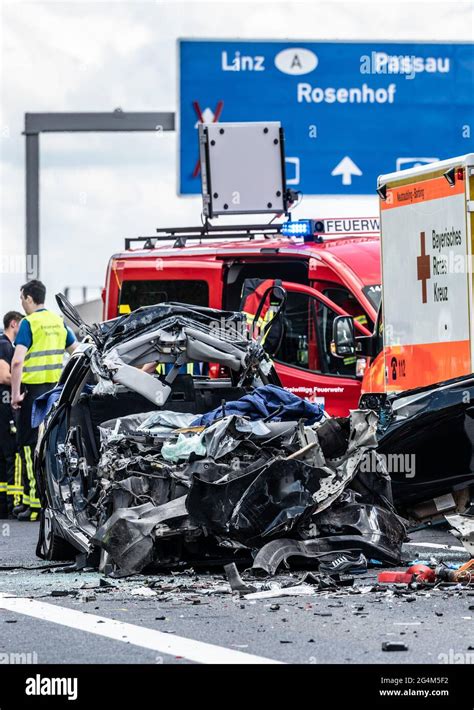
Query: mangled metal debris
[
  {"x": 429, "y": 434},
  {"x": 245, "y": 485},
  {"x": 243, "y": 488},
  {"x": 144, "y": 465}
]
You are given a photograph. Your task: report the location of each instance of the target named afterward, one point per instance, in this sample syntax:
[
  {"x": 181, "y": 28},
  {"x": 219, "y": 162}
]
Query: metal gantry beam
[
  {"x": 114, "y": 121},
  {"x": 32, "y": 206},
  {"x": 35, "y": 123}
]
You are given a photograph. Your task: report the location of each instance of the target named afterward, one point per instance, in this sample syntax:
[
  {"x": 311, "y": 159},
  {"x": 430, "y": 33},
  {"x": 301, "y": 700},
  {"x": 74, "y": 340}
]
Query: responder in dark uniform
[
  {"x": 10, "y": 477},
  {"x": 36, "y": 367}
]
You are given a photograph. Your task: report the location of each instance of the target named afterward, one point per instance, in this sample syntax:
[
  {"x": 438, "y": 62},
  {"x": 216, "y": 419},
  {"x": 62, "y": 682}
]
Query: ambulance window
[{"x": 146, "y": 293}]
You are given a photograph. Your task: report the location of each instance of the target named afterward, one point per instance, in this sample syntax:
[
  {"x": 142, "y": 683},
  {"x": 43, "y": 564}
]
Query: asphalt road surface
[{"x": 54, "y": 616}]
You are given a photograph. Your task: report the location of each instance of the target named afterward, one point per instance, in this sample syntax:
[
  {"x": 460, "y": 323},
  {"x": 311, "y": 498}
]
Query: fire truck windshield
[{"x": 374, "y": 294}]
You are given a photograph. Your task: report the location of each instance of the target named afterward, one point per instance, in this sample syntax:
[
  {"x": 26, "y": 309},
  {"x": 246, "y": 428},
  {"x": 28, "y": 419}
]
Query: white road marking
[
  {"x": 437, "y": 546},
  {"x": 151, "y": 639}
]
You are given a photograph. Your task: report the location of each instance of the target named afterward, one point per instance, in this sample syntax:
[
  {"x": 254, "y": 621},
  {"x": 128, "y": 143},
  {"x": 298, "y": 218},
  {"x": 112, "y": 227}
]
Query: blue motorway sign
[{"x": 351, "y": 110}]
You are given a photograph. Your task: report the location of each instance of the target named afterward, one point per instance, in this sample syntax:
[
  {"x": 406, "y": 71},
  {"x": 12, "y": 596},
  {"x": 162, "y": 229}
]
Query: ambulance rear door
[{"x": 426, "y": 274}]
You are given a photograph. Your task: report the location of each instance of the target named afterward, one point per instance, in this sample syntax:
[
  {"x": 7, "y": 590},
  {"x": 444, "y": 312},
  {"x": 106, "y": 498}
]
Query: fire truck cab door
[{"x": 304, "y": 361}]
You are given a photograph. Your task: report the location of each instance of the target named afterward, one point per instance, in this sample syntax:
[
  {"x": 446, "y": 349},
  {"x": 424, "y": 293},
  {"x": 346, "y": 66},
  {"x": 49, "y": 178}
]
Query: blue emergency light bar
[
  {"x": 306, "y": 228},
  {"x": 298, "y": 228}
]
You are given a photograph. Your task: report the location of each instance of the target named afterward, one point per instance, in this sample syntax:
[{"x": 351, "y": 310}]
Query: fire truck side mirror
[{"x": 343, "y": 338}]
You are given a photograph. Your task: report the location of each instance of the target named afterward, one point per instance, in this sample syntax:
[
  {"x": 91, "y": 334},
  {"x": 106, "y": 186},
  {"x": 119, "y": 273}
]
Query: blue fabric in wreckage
[
  {"x": 268, "y": 402},
  {"x": 44, "y": 403}
]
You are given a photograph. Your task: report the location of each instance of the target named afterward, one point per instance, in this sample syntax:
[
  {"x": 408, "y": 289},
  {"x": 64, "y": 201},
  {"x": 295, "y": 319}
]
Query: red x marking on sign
[{"x": 217, "y": 115}]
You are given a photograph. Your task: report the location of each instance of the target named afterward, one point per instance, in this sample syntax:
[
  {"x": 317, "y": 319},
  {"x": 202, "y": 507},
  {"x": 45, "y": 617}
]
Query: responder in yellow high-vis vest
[
  {"x": 36, "y": 367},
  {"x": 253, "y": 290}
]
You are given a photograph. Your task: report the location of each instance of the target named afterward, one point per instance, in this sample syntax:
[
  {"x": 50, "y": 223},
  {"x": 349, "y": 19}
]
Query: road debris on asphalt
[{"x": 394, "y": 646}]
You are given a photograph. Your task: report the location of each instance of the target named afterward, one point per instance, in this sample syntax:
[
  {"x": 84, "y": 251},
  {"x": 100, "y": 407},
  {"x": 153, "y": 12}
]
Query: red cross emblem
[{"x": 423, "y": 268}]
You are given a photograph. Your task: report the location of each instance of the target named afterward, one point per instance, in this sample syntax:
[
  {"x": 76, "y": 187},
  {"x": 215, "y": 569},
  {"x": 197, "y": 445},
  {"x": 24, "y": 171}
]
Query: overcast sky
[{"x": 97, "y": 56}]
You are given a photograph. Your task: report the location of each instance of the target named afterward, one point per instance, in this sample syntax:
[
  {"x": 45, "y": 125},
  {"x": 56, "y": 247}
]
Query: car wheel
[{"x": 55, "y": 548}]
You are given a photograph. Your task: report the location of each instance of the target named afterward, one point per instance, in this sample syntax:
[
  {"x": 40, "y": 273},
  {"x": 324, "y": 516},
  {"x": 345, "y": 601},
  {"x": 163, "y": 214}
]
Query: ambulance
[{"x": 424, "y": 330}]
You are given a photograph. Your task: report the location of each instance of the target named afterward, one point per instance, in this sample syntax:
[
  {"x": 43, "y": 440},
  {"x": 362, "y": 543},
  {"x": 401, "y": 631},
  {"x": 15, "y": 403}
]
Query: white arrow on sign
[{"x": 347, "y": 168}]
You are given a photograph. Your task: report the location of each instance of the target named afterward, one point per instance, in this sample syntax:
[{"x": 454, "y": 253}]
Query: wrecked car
[
  {"x": 145, "y": 460},
  {"x": 426, "y": 436}
]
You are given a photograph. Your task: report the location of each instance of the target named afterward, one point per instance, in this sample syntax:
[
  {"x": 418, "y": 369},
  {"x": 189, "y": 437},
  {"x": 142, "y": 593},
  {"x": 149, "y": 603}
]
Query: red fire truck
[{"x": 332, "y": 269}]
